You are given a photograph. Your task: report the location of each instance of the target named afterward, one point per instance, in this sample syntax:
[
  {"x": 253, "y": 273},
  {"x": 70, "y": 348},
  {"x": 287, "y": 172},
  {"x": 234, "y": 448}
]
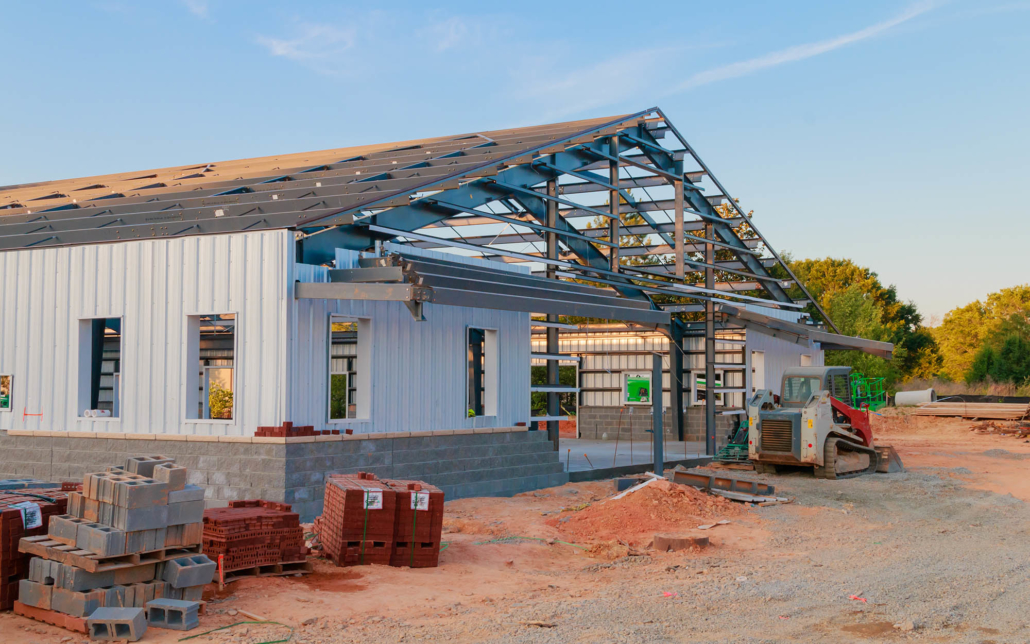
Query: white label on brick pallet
[
  {"x": 31, "y": 517},
  {"x": 373, "y": 499},
  {"x": 420, "y": 501}
]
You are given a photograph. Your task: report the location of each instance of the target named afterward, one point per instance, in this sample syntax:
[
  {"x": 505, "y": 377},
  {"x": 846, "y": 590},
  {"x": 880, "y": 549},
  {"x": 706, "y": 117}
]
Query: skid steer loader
[{"x": 813, "y": 424}]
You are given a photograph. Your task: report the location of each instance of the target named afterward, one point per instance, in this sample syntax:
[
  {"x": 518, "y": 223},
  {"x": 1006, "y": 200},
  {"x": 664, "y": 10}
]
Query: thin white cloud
[
  {"x": 801, "y": 52},
  {"x": 592, "y": 87},
  {"x": 448, "y": 34},
  {"x": 198, "y": 8},
  {"x": 314, "y": 44}
]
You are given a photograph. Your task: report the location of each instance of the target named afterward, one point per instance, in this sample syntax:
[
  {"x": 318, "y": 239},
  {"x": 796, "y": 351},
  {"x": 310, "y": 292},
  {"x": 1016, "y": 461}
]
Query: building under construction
[{"x": 379, "y": 297}]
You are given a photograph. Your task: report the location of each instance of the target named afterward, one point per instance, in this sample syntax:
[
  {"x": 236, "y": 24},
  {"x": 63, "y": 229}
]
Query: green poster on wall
[
  {"x": 5, "y": 393},
  {"x": 638, "y": 388}
]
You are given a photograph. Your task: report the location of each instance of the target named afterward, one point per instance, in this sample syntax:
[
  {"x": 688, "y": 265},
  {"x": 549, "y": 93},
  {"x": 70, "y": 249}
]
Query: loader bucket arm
[{"x": 859, "y": 420}]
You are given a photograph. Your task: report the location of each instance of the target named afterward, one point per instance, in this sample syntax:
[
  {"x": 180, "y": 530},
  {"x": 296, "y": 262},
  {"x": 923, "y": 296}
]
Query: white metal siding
[
  {"x": 152, "y": 286},
  {"x": 779, "y": 355},
  {"x": 418, "y": 370}
]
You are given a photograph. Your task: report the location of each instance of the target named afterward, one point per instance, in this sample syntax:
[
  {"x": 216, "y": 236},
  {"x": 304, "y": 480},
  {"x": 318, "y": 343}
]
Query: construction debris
[
  {"x": 127, "y": 540},
  {"x": 751, "y": 498},
  {"x": 1015, "y": 430},
  {"x": 709, "y": 526},
  {"x": 706, "y": 481}
]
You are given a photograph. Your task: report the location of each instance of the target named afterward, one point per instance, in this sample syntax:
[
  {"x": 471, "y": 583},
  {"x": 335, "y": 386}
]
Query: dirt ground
[{"x": 939, "y": 553}]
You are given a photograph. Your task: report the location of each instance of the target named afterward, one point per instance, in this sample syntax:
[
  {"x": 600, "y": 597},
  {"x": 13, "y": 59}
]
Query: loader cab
[{"x": 799, "y": 384}]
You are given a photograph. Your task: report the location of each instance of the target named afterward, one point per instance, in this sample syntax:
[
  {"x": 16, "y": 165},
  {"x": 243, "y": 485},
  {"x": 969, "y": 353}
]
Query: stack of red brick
[
  {"x": 287, "y": 430},
  {"x": 14, "y": 565},
  {"x": 371, "y": 521},
  {"x": 253, "y": 533}
]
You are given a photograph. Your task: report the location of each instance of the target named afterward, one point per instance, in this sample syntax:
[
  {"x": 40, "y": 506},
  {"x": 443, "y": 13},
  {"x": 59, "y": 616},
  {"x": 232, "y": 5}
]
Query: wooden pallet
[
  {"x": 45, "y": 547},
  {"x": 51, "y": 617},
  {"x": 270, "y": 570}
]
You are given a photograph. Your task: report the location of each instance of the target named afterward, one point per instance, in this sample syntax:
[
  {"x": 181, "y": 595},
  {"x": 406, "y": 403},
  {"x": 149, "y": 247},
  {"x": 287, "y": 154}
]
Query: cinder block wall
[
  {"x": 500, "y": 463},
  {"x": 605, "y": 423}
]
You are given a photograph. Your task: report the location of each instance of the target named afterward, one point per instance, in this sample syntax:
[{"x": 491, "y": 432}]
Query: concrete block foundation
[
  {"x": 605, "y": 423},
  {"x": 463, "y": 463}
]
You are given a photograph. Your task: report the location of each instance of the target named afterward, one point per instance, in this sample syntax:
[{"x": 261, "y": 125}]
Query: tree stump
[{"x": 674, "y": 542}]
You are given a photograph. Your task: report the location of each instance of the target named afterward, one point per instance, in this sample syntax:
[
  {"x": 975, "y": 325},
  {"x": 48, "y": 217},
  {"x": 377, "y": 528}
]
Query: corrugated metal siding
[
  {"x": 779, "y": 355},
  {"x": 153, "y": 286},
  {"x": 599, "y": 351},
  {"x": 418, "y": 368}
]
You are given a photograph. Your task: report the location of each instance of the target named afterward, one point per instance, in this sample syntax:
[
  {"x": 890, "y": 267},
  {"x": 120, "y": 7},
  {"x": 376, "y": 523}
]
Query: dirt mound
[{"x": 662, "y": 506}]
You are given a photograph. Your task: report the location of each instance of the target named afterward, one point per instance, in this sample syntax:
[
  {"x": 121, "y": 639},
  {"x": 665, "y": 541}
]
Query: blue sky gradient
[{"x": 893, "y": 133}]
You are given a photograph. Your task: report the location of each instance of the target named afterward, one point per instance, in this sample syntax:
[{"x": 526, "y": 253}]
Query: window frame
[
  {"x": 491, "y": 371},
  {"x": 720, "y": 379},
  {"x": 192, "y": 369},
  {"x": 363, "y": 370},
  {"x": 85, "y": 369}
]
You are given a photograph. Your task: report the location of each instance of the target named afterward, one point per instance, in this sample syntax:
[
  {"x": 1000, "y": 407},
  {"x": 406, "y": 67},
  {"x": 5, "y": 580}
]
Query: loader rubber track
[{"x": 834, "y": 445}]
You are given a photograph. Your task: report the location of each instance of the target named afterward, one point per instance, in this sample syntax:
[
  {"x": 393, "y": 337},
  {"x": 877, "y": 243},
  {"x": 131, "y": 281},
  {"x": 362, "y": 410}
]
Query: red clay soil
[
  {"x": 635, "y": 518},
  {"x": 567, "y": 428}
]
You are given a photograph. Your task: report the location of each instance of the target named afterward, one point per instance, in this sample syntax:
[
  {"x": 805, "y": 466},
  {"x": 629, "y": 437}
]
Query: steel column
[
  {"x": 676, "y": 377},
  {"x": 614, "y": 224},
  {"x": 709, "y": 347},
  {"x": 679, "y": 234},
  {"x": 552, "y": 332},
  {"x": 657, "y": 400}
]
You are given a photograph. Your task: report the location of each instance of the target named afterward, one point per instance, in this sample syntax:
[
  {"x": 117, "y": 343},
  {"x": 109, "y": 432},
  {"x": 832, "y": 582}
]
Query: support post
[
  {"x": 615, "y": 208},
  {"x": 678, "y": 233},
  {"x": 657, "y": 400},
  {"x": 553, "y": 408},
  {"x": 709, "y": 346},
  {"x": 676, "y": 378}
]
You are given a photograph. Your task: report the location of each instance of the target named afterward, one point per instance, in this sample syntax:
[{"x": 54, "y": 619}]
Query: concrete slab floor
[{"x": 585, "y": 454}]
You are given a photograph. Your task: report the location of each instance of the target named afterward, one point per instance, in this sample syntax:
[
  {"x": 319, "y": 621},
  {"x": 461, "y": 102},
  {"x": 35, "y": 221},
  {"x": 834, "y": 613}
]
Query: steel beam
[
  {"x": 352, "y": 291},
  {"x": 615, "y": 222}
]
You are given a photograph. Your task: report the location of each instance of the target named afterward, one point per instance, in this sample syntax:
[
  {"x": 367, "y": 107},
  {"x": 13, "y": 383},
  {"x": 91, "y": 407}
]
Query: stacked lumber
[
  {"x": 985, "y": 411},
  {"x": 131, "y": 536},
  {"x": 251, "y": 535},
  {"x": 23, "y": 515},
  {"x": 390, "y": 522}
]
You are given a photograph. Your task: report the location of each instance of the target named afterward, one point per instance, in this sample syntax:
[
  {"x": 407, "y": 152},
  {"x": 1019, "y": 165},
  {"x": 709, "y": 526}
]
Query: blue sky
[{"x": 893, "y": 133}]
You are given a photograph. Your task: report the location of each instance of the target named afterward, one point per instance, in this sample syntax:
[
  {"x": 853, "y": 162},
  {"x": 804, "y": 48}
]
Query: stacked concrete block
[
  {"x": 184, "y": 572},
  {"x": 173, "y": 614},
  {"x": 249, "y": 534},
  {"x": 123, "y": 624},
  {"x": 418, "y": 524},
  {"x": 357, "y": 525},
  {"x": 14, "y": 565},
  {"x": 119, "y": 525},
  {"x": 144, "y": 465}
]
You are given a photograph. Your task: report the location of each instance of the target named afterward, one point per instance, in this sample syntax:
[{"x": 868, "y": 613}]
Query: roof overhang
[{"x": 794, "y": 332}]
